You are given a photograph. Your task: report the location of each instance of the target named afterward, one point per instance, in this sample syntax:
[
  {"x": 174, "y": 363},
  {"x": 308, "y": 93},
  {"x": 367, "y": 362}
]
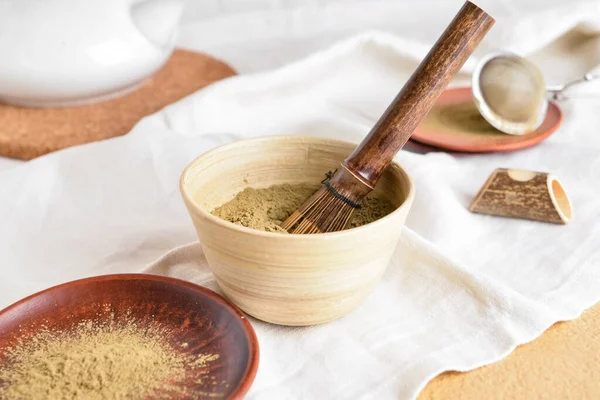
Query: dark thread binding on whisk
[
  {"x": 328, "y": 176},
  {"x": 340, "y": 196}
]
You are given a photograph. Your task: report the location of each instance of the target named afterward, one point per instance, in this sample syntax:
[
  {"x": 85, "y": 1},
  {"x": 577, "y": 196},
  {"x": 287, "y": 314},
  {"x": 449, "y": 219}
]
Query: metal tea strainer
[{"x": 511, "y": 94}]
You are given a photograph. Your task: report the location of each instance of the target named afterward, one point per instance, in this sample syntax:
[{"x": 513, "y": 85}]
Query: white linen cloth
[{"x": 462, "y": 290}]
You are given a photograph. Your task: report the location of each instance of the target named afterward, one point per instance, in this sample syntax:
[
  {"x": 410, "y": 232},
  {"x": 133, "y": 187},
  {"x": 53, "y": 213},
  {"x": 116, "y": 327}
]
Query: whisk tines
[{"x": 328, "y": 210}]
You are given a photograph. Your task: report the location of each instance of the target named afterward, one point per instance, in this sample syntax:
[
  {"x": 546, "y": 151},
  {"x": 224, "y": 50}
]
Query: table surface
[{"x": 561, "y": 364}]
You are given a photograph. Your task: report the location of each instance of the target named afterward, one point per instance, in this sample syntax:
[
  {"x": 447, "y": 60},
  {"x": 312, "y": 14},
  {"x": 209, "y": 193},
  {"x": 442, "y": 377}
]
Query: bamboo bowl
[{"x": 290, "y": 279}]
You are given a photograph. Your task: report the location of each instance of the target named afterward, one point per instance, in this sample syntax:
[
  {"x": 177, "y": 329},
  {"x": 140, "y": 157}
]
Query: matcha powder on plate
[
  {"x": 95, "y": 362},
  {"x": 265, "y": 209}
]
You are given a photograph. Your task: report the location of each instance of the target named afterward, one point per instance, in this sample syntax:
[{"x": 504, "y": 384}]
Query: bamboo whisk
[{"x": 331, "y": 208}]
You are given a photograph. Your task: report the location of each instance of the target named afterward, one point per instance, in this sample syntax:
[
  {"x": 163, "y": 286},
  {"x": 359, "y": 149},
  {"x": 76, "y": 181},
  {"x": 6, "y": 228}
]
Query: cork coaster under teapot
[{"x": 26, "y": 133}]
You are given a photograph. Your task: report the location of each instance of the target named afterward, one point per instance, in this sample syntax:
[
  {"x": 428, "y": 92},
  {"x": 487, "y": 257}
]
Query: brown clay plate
[
  {"x": 416, "y": 147},
  {"x": 190, "y": 313},
  {"x": 443, "y": 127}
]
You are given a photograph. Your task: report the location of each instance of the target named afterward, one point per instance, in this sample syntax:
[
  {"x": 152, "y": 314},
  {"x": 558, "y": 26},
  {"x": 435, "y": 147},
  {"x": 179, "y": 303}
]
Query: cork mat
[
  {"x": 562, "y": 364},
  {"x": 26, "y": 133}
]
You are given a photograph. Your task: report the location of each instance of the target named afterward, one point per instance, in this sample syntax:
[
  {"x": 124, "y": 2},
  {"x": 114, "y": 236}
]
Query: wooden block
[
  {"x": 523, "y": 194},
  {"x": 26, "y": 133}
]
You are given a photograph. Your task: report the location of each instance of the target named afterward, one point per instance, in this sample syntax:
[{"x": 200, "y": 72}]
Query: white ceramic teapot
[{"x": 71, "y": 52}]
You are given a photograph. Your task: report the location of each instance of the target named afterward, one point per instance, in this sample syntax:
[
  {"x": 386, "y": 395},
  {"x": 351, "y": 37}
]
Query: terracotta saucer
[
  {"x": 440, "y": 129},
  {"x": 191, "y": 314},
  {"x": 416, "y": 147}
]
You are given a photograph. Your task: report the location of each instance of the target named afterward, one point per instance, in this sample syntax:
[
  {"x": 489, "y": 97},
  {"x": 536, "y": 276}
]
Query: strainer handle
[{"x": 557, "y": 91}]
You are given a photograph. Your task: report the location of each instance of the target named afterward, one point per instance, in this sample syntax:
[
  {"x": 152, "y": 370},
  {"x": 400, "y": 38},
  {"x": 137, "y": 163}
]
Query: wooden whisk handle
[{"x": 419, "y": 94}]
